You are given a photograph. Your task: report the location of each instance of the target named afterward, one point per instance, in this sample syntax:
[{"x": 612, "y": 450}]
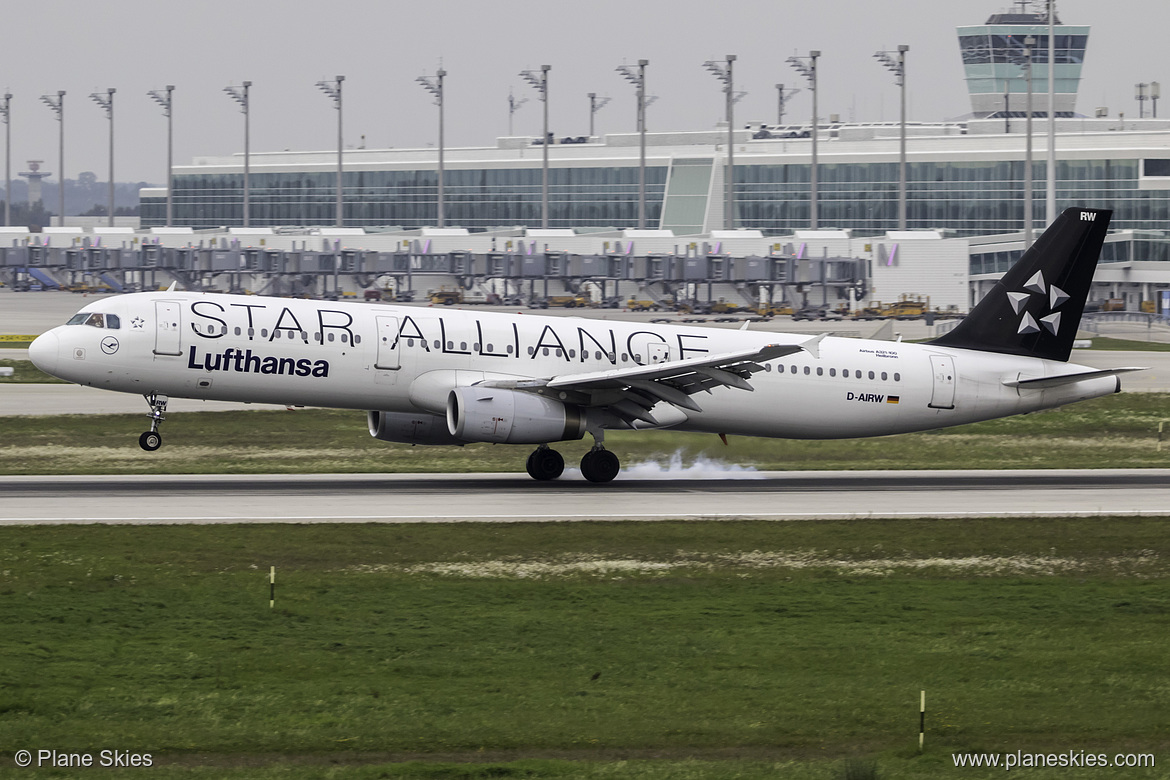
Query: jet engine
[
  {"x": 409, "y": 428},
  {"x": 511, "y": 417}
]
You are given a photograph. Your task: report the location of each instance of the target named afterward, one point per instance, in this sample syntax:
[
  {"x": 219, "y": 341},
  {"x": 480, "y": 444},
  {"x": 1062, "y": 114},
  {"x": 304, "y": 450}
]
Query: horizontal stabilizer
[{"x": 1040, "y": 382}]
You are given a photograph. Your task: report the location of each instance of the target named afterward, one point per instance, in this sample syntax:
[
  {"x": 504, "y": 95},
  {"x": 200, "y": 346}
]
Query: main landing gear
[
  {"x": 152, "y": 439},
  {"x": 545, "y": 463},
  {"x": 598, "y": 465}
]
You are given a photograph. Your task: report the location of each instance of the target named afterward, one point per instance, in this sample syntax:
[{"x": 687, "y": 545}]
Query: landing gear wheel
[
  {"x": 150, "y": 441},
  {"x": 600, "y": 466},
  {"x": 545, "y": 464}
]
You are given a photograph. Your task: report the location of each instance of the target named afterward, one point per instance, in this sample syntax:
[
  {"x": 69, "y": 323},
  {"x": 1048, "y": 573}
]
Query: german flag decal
[{"x": 892, "y": 399}]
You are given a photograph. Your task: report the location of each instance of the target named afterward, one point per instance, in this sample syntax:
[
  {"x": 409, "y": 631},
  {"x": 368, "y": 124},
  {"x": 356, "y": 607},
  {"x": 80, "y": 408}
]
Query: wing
[{"x": 632, "y": 392}]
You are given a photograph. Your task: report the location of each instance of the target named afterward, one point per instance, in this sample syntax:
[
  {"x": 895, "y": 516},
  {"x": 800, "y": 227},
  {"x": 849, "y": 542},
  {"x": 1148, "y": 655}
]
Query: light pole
[
  {"x": 782, "y": 96},
  {"x": 1050, "y": 168},
  {"x": 726, "y": 74},
  {"x": 897, "y": 65},
  {"x": 106, "y": 101},
  {"x": 164, "y": 100},
  {"x": 638, "y": 79},
  {"x": 435, "y": 87},
  {"x": 595, "y": 105},
  {"x": 333, "y": 90},
  {"x": 240, "y": 95},
  {"x": 1029, "y": 43},
  {"x": 807, "y": 67},
  {"x": 1155, "y": 93},
  {"x": 7, "y": 160},
  {"x": 57, "y": 103},
  {"x": 539, "y": 81}
]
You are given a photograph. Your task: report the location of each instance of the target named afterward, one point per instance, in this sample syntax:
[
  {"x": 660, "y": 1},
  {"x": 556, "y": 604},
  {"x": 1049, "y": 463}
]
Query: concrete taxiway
[{"x": 413, "y": 498}]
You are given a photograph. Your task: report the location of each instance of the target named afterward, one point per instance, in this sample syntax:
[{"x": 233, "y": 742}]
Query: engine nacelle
[
  {"x": 409, "y": 428},
  {"x": 511, "y": 417}
]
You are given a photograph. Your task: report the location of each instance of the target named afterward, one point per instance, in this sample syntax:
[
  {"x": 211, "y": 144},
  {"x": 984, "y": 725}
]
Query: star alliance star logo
[
  {"x": 1019, "y": 302},
  {"x": 137, "y": 323}
]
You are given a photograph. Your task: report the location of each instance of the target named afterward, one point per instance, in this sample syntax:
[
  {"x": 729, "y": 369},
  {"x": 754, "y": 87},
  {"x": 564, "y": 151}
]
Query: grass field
[
  {"x": 665, "y": 650},
  {"x": 1125, "y": 345},
  {"x": 26, "y": 373},
  {"x": 1116, "y": 431}
]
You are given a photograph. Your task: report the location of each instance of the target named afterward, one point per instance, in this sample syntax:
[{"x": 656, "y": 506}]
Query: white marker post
[
  {"x": 272, "y": 588},
  {"x": 921, "y": 721}
]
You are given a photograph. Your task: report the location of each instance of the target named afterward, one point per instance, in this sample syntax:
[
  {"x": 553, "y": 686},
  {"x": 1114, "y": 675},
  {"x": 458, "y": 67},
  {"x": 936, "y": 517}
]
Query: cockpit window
[{"x": 95, "y": 320}]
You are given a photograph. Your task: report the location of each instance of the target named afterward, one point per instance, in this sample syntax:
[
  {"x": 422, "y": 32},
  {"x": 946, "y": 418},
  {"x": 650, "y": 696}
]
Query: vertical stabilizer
[{"x": 1035, "y": 309}]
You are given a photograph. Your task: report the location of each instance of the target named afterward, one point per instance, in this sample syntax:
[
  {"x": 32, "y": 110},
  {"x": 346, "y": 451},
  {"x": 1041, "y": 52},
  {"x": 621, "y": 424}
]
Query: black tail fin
[{"x": 1035, "y": 309}]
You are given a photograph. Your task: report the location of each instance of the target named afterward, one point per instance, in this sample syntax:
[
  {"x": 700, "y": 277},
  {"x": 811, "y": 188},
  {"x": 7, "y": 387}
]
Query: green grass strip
[{"x": 703, "y": 650}]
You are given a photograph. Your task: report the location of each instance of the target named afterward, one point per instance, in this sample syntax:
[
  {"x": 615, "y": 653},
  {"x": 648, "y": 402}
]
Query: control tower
[
  {"x": 35, "y": 175},
  {"x": 993, "y": 57}
]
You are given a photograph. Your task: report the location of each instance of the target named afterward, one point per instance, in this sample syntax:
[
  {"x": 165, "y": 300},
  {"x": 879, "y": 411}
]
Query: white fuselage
[{"x": 407, "y": 359}]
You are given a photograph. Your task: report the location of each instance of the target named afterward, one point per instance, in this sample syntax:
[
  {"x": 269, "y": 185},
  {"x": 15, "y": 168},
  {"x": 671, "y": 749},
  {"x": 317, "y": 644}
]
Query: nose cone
[{"x": 44, "y": 352}]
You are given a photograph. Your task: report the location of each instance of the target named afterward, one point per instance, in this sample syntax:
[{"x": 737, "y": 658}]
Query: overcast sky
[{"x": 285, "y": 46}]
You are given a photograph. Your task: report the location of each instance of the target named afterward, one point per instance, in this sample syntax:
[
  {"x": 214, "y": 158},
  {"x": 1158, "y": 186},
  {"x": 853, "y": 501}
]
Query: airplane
[{"x": 443, "y": 377}]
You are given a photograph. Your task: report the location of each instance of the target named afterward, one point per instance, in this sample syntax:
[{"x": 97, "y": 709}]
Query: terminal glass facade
[
  {"x": 475, "y": 199},
  {"x": 972, "y": 198}
]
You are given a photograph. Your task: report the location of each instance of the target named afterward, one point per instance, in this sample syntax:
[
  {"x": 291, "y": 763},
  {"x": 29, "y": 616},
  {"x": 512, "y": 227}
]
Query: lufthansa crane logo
[
  {"x": 1055, "y": 298},
  {"x": 109, "y": 345}
]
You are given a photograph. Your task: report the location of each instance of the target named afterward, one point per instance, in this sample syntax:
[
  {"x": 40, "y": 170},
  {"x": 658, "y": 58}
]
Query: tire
[
  {"x": 150, "y": 441},
  {"x": 600, "y": 466},
  {"x": 545, "y": 464}
]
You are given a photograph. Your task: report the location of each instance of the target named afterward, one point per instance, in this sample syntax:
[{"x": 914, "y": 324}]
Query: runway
[{"x": 435, "y": 498}]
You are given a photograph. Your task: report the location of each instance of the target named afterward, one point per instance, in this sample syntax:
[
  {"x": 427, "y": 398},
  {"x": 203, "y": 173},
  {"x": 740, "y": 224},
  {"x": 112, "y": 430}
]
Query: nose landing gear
[{"x": 152, "y": 439}]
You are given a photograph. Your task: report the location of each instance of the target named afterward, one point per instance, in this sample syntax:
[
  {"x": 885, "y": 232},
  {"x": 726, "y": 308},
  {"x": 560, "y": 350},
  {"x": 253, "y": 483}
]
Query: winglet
[
  {"x": 813, "y": 346},
  {"x": 172, "y": 287}
]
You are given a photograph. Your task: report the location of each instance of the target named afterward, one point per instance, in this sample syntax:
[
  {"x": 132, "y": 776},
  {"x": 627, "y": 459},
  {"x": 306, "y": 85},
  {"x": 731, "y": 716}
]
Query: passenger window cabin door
[
  {"x": 387, "y": 358},
  {"x": 168, "y": 322},
  {"x": 943, "y": 387}
]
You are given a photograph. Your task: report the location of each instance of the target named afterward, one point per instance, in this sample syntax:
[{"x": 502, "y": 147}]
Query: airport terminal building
[
  {"x": 965, "y": 184},
  {"x": 965, "y": 177}
]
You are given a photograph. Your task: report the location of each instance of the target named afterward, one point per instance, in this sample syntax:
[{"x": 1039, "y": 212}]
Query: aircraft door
[
  {"x": 943, "y": 394},
  {"x": 167, "y": 328},
  {"x": 387, "y": 358}
]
